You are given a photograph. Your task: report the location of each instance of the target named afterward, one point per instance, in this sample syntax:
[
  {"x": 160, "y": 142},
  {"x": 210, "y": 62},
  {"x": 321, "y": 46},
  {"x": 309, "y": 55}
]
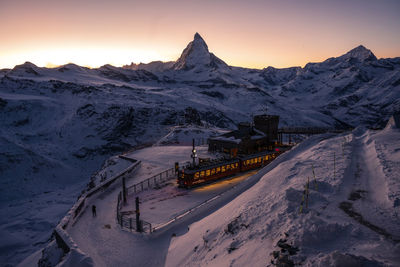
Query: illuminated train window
[
  {"x": 247, "y": 162},
  {"x": 202, "y": 174},
  {"x": 233, "y": 166},
  {"x": 213, "y": 171},
  {"x": 228, "y": 167},
  {"x": 236, "y": 164},
  {"x": 208, "y": 172},
  {"x": 222, "y": 168},
  {"x": 196, "y": 175},
  {"x": 259, "y": 159},
  {"x": 218, "y": 169}
]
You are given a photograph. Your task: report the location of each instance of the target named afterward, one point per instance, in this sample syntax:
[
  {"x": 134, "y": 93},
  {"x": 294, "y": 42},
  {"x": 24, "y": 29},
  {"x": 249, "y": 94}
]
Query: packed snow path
[{"x": 365, "y": 192}]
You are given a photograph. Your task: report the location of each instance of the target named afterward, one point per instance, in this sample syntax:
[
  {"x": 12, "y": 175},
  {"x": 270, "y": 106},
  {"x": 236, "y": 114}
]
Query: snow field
[{"x": 247, "y": 230}]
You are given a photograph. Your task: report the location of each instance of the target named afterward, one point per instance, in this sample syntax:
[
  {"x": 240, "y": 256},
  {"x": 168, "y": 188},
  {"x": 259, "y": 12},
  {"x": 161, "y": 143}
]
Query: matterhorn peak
[
  {"x": 196, "y": 54},
  {"x": 197, "y": 37}
]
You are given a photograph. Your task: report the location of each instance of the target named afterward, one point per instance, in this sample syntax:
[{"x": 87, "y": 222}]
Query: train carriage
[
  {"x": 254, "y": 161},
  {"x": 188, "y": 177},
  {"x": 211, "y": 171}
]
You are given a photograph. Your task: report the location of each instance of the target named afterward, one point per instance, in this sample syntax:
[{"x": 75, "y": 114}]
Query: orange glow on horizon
[{"x": 254, "y": 34}]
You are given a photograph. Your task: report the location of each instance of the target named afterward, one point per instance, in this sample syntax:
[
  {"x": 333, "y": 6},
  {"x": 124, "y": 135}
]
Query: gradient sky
[{"x": 251, "y": 33}]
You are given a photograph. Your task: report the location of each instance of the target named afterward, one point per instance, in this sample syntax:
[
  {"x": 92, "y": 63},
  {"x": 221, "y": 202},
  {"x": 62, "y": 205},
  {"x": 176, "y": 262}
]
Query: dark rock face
[
  {"x": 3, "y": 103},
  {"x": 192, "y": 116},
  {"x": 86, "y": 111},
  {"x": 215, "y": 94}
]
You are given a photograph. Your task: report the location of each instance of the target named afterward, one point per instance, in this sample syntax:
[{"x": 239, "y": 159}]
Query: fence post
[
  {"x": 315, "y": 180},
  {"x": 302, "y": 200},
  {"x": 138, "y": 228}
]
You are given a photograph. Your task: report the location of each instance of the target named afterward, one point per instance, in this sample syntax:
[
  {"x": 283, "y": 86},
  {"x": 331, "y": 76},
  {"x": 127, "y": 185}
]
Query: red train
[{"x": 213, "y": 170}]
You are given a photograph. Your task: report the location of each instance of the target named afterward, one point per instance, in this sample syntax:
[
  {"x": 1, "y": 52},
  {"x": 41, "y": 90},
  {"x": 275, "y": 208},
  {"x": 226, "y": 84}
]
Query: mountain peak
[
  {"x": 361, "y": 53},
  {"x": 196, "y": 54},
  {"x": 197, "y": 36},
  {"x": 25, "y": 68}
]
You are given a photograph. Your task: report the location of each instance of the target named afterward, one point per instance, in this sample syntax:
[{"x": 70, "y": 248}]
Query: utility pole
[{"x": 194, "y": 155}]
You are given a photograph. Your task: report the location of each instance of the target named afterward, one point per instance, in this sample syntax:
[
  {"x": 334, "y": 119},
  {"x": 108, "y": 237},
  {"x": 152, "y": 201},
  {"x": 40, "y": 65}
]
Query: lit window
[
  {"x": 247, "y": 161},
  {"x": 196, "y": 175},
  {"x": 208, "y": 172},
  {"x": 228, "y": 167},
  {"x": 222, "y": 168},
  {"x": 218, "y": 169},
  {"x": 259, "y": 159},
  {"x": 236, "y": 165},
  {"x": 212, "y": 171},
  {"x": 202, "y": 174},
  {"x": 232, "y": 166}
]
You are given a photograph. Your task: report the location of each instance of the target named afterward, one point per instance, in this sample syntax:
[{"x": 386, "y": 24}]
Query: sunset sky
[{"x": 252, "y": 33}]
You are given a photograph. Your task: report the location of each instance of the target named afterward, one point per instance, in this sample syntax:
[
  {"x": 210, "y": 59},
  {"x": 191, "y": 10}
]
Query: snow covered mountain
[
  {"x": 58, "y": 125},
  {"x": 196, "y": 55}
]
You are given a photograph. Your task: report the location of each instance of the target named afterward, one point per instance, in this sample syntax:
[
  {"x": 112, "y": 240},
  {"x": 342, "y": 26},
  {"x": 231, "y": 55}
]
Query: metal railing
[
  {"x": 151, "y": 182},
  {"x": 126, "y": 218},
  {"x": 126, "y": 221}
]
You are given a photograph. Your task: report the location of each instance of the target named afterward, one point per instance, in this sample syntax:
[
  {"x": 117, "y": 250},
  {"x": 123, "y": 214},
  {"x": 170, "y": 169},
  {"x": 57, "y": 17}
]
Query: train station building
[{"x": 260, "y": 135}]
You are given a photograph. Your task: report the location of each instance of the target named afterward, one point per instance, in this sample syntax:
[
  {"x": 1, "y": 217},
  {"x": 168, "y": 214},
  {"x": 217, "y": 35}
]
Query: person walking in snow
[{"x": 94, "y": 210}]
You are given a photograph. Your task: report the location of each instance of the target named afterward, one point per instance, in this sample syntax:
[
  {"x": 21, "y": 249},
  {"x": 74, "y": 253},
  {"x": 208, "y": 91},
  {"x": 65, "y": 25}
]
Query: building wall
[
  {"x": 221, "y": 145},
  {"x": 267, "y": 124}
]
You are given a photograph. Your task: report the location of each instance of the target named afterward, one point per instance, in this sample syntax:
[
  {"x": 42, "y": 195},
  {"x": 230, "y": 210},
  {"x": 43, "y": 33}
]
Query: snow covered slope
[
  {"x": 351, "y": 219},
  {"x": 58, "y": 125}
]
